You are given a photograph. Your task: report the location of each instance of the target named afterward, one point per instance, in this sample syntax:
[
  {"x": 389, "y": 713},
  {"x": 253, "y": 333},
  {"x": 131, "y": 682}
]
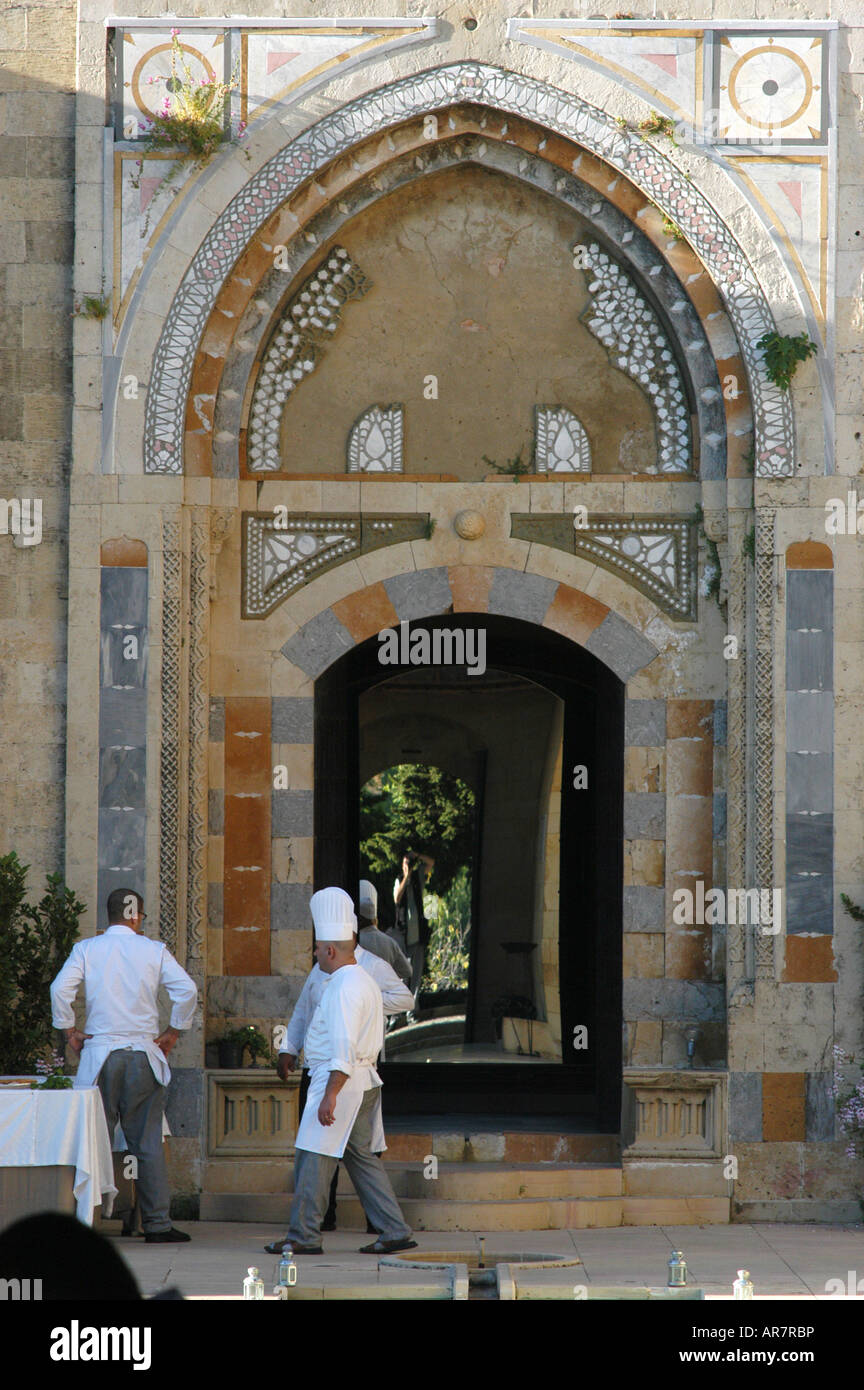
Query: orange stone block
[
  {"x": 809, "y": 960},
  {"x": 783, "y": 1107},
  {"x": 123, "y": 551},
  {"x": 689, "y": 719},
  {"x": 197, "y": 454},
  {"x": 809, "y": 555},
  {"x": 246, "y": 893},
  {"x": 574, "y": 614},
  {"x": 470, "y": 586},
  {"x": 366, "y": 612}
]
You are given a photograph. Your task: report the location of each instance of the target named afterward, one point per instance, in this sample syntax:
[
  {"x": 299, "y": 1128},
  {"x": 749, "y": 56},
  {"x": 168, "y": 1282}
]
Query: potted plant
[{"x": 233, "y": 1045}]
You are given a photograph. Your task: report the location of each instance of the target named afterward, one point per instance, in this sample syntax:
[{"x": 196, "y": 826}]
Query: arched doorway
[{"x": 570, "y": 685}]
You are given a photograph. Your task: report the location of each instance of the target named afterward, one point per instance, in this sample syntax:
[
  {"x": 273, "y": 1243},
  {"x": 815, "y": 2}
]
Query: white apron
[{"x": 331, "y": 1139}]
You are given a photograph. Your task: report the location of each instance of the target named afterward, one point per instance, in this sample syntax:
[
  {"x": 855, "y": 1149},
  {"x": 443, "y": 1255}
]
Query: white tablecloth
[{"x": 64, "y": 1128}]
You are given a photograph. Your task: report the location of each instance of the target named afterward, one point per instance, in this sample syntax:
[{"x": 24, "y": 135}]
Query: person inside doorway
[
  {"x": 412, "y": 929},
  {"x": 374, "y": 940}
]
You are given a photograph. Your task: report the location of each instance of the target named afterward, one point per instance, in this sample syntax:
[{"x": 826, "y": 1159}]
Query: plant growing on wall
[
  {"x": 849, "y": 1103},
  {"x": 193, "y": 120},
  {"x": 92, "y": 306},
  {"x": 514, "y": 467},
  {"x": 782, "y": 355},
  {"x": 657, "y": 124},
  {"x": 34, "y": 943}
]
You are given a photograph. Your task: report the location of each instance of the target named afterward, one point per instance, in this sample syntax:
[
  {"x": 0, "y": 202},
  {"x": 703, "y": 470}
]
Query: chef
[
  {"x": 122, "y": 1050},
  {"x": 397, "y": 998},
  {"x": 342, "y": 1114}
]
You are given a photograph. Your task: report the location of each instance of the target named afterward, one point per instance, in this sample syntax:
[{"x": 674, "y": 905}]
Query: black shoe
[
  {"x": 277, "y": 1246},
  {"x": 163, "y": 1237}
]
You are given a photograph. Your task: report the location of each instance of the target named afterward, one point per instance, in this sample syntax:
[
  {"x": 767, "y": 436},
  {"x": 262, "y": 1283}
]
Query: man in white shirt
[
  {"x": 371, "y": 939},
  {"x": 342, "y": 1114},
  {"x": 396, "y": 998},
  {"x": 122, "y": 1050}
]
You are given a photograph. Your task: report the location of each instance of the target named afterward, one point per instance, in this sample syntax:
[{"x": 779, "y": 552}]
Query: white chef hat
[
  {"x": 333, "y": 914},
  {"x": 367, "y": 899}
]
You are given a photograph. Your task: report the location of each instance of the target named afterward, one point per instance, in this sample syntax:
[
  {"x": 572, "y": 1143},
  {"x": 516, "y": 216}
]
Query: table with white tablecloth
[{"x": 60, "y": 1129}]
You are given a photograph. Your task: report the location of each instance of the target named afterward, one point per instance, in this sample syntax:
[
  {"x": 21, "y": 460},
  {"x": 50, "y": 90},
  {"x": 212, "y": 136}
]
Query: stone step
[
  {"x": 465, "y": 1181},
  {"x": 521, "y": 1214},
  {"x": 508, "y": 1146}
]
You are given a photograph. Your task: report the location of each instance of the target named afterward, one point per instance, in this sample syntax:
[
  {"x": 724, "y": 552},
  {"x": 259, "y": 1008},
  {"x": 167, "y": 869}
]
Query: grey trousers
[
  {"x": 131, "y": 1093},
  {"x": 313, "y": 1174}
]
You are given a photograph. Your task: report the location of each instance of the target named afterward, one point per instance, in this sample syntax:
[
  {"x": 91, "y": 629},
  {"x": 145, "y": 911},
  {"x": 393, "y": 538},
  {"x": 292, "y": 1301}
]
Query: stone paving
[{"x": 785, "y": 1261}]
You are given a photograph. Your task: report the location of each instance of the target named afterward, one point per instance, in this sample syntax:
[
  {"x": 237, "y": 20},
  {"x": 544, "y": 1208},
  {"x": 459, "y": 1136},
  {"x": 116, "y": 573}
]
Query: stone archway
[{"x": 502, "y": 92}]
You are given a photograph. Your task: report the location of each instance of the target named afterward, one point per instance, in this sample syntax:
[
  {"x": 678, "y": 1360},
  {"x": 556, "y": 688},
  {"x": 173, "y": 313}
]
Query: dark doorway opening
[{"x": 584, "y": 704}]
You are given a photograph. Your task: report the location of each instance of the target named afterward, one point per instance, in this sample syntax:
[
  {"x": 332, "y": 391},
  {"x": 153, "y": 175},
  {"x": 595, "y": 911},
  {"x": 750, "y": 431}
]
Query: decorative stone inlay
[
  {"x": 375, "y": 441},
  {"x": 169, "y": 744},
  {"x": 627, "y": 326},
  {"x": 763, "y": 741},
  {"x": 296, "y": 348},
  {"x": 675, "y": 1114},
  {"x": 196, "y": 817},
  {"x": 469, "y": 524},
  {"x": 657, "y": 555},
  {"x": 283, "y": 552},
  {"x": 560, "y": 442},
  {"x": 508, "y": 92}
]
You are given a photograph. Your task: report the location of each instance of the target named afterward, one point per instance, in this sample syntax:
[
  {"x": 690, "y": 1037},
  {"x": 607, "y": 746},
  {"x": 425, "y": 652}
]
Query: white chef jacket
[
  {"x": 121, "y": 972},
  {"x": 345, "y": 1034},
  {"x": 396, "y": 996}
]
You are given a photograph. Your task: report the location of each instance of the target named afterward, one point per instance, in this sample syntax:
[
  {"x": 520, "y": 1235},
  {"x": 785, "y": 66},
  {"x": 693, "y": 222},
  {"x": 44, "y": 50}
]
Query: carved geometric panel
[
  {"x": 657, "y": 555},
  {"x": 282, "y": 552},
  {"x": 771, "y": 87},
  {"x": 627, "y": 326},
  {"x": 309, "y": 322},
  {"x": 560, "y": 442},
  {"x": 375, "y": 441}
]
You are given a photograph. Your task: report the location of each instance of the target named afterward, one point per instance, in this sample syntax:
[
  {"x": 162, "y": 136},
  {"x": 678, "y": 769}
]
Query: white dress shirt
[
  {"x": 345, "y": 1035},
  {"x": 396, "y": 996},
  {"x": 121, "y": 972}
]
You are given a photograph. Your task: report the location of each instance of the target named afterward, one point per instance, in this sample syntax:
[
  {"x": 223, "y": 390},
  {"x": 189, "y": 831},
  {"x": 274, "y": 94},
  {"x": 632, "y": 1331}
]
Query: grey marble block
[
  {"x": 745, "y": 1107},
  {"x": 809, "y": 845},
  {"x": 216, "y": 731},
  {"x": 184, "y": 1103},
  {"x": 121, "y": 839},
  {"x": 644, "y": 815},
  {"x": 721, "y": 712},
  {"x": 809, "y": 782},
  {"x": 718, "y": 816},
  {"x": 122, "y": 718},
  {"x": 820, "y": 1112},
  {"x": 810, "y": 905},
  {"x": 215, "y": 906},
  {"x": 248, "y": 996},
  {"x": 620, "y": 646},
  {"x": 691, "y": 1001},
  {"x": 293, "y": 719},
  {"x": 644, "y": 908},
  {"x": 318, "y": 644},
  {"x": 810, "y": 721},
  {"x": 216, "y": 811},
  {"x": 810, "y": 599},
  {"x": 122, "y": 773},
  {"x": 419, "y": 594},
  {"x": 123, "y": 595},
  {"x": 115, "y": 667},
  {"x": 517, "y": 595},
  {"x": 289, "y": 907},
  {"x": 809, "y": 663},
  {"x": 291, "y": 813},
  {"x": 644, "y": 723}
]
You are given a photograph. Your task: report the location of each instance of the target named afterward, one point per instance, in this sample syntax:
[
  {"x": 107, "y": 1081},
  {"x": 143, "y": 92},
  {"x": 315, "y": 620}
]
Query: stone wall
[{"x": 37, "y": 162}]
